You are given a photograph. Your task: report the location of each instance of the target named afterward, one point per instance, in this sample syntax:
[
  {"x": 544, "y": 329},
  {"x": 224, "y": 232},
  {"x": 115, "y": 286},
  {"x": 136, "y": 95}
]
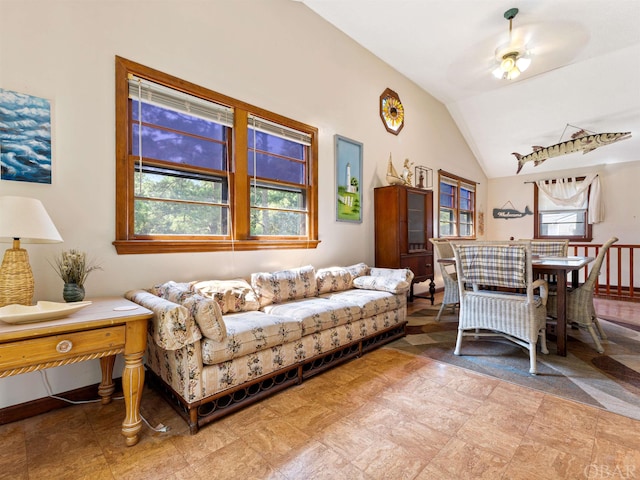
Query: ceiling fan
[
  {"x": 512, "y": 58},
  {"x": 547, "y": 44}
]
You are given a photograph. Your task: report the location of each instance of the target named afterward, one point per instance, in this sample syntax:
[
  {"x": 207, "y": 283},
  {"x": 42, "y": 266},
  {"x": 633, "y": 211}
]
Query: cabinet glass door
[{"x": 415, "y": 222}]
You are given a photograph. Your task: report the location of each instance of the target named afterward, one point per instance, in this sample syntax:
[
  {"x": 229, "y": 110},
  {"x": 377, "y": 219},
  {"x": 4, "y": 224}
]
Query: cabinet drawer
[
  {"x": 421, "y": 265},
  {"x": 60, "y": 347}
]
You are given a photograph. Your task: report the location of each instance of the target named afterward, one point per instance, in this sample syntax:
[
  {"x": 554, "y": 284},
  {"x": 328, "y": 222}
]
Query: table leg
[
  {"x": 107, "y": 386},
  {"x": 133, "y": 379},
  {"x": 432, "y": 290},
  {"x": 575, "y": 280},
  {"x": 561, "y": 327}
]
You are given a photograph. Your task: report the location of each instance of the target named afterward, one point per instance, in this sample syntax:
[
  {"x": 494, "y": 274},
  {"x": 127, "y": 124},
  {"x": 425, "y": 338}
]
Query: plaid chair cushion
[
  {"x": 549, "y": 249},
  {"x": 494, "y": 265}
]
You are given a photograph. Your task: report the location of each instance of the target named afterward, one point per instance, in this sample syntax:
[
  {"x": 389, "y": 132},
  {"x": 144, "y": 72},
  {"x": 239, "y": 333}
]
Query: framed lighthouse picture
[{"x": 348, "y": 155}]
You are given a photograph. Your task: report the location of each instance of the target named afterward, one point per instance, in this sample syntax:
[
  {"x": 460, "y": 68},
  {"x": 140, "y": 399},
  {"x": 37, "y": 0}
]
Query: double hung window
[
  {"x": 277, "y": 171},
  {"x": 562, "y": 219},
  {"x": 199, "y": 171},
  {"x": 457, "y": 206}
]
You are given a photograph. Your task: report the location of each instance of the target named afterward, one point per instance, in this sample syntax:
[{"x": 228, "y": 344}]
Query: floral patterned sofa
[{"x": 215, "y": 346}]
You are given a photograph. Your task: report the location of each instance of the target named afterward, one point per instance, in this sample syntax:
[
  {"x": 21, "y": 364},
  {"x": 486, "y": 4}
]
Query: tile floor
[{"x": 387, "y": 415}]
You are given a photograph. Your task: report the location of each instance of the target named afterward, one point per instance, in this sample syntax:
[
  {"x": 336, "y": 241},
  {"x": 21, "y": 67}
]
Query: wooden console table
[{"x": 101, "y": 330}]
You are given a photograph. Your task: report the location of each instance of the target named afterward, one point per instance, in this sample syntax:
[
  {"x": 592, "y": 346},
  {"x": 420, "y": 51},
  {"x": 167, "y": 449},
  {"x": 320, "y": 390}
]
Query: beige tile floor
[{"x": 387, "y": 415}]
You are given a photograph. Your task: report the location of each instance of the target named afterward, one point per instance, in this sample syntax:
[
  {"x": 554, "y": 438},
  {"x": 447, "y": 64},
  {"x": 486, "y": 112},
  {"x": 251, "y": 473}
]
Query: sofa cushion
[
  {"x": 372, "y": 302},
  {"x": 173, "y": 291},
  {"x": 208, "y": 316},
  {"x": 172, "y": 326},
  {"x": 392, "y": 273},
  {"x": 358, "y": 270},
  {"x": 232, "y": 295},
  {"x": 385, "y": 284},
  {"x": 316, "y": 314},
  {"x": 250, "y": 332},
  {"x": 333, "y": 279},
  {"x": 285, "y": 285}
]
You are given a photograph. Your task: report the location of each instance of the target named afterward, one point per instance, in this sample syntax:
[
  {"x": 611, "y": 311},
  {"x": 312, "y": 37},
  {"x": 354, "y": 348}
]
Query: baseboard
[{"x": 38, "y": 406}]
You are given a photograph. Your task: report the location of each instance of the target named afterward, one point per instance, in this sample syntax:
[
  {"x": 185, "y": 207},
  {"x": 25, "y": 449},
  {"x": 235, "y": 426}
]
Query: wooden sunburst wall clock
[{"x": 391, "y": 111}]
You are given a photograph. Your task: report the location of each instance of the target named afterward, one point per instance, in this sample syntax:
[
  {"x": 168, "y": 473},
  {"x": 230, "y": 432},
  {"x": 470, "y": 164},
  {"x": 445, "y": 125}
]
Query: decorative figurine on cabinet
[{"x": 406, "y": 172}]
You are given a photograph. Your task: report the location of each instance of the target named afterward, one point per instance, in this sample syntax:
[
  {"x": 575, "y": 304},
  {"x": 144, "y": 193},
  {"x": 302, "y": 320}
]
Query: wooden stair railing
[{"x": 618, "y": 273}]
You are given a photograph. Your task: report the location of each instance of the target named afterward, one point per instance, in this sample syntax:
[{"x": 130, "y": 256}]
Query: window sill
[{"x": 128, "y": 247}]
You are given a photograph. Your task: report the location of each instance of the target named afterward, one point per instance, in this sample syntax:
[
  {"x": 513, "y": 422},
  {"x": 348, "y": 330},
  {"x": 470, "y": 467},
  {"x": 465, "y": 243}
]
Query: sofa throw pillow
[
  {"x": 171, "y": 327},
  {"x": 385, "y": 284},
  {"x": 394, "y": 273},
  {"x": 173, "y": 291},
  {"x": 286, "y": 285},
  {"x": 358, "y": 270},
  {"x": 208, "y": 316},
  {"x": 333, "y": 279},
  {"x": 232, "y": 295}
]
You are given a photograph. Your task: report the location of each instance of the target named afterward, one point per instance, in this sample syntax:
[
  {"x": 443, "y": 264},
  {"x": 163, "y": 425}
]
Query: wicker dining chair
[
  {"x": 550, "y": 248},
  {"x": 487, "y": 312},
  {"x": 449, "y": 278},
  {"x": 581, "y": 311}
]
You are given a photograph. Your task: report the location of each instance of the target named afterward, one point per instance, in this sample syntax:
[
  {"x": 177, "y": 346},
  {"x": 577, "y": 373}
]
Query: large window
[
  {"x": 457, "y": 206},
  {"x": 198, "y": 171},
  {"x": 559, "y": 219}
]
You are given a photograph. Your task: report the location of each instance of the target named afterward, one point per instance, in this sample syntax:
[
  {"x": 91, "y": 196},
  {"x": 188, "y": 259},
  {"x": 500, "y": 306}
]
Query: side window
[
  {"x": 457, "y": 206},
  {"x": 558, "y": 219},
  {"x": 199, "y": 171}
]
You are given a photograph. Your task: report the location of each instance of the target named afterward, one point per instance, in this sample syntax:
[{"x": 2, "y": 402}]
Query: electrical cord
[
  {"x": 47, "y": 387},
  {"x": 160, "y": 428}
]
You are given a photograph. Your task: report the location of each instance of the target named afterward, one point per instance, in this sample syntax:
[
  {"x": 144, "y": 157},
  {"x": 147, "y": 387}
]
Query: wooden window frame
[
  {"x": 460, "y": 181},
  {"x": 588, "y": 236},
  {"x": 127, "y": 242}
]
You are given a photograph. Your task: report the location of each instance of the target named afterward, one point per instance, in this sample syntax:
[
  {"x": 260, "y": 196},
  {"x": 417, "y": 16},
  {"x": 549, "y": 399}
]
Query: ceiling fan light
[
  {"x": 513, "y": 74},
  {"x": 508, "y": 63},
  {"x": 498, "y": 72},
  {"x": 513, "y": 57},
  {"x": 523, "y": 63}
]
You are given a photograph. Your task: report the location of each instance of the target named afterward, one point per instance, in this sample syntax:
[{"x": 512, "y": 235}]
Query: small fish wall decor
[
  {"x": 581, "y": 140},
  {"x": 508, "y": 213}
]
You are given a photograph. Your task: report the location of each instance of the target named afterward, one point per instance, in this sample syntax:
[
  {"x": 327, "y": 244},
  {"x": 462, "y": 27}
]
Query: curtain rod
[{"x": 547, "y": 179}]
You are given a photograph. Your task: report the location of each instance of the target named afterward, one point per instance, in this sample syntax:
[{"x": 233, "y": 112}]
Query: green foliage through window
[
  {"x": 456, "y": 206},
  {"x": 199, "y": 171}
]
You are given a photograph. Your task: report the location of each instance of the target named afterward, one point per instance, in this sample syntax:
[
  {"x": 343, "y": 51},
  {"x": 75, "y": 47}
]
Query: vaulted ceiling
[{"x": 584, "y": 74}]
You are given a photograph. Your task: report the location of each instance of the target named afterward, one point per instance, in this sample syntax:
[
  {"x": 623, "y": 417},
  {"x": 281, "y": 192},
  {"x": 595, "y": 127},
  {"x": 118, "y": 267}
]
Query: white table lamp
[{"x": 21, "y": 219}]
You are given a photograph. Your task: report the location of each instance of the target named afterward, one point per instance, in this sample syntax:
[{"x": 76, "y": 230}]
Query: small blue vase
[{"x": 72, "y": 292}]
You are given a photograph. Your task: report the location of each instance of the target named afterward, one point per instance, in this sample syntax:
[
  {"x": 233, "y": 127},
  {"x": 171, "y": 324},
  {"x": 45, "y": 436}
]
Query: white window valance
[{"x": 568, "y": 192}]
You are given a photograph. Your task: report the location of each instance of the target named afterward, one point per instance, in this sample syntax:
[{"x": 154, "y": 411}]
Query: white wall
[
  {"x": 275, "y": 54},
  {"x": 620, "y": 194}
]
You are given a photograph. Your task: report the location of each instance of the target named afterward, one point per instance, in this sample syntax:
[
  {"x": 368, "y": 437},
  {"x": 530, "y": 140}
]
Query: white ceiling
[{"x": 585, "y": 70}]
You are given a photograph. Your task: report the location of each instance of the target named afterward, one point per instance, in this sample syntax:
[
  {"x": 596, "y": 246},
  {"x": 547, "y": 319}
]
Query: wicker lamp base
[{"x": 16, "y": 278}]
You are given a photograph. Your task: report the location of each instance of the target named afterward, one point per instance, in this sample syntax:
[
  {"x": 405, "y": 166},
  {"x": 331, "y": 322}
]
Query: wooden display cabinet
[{"x": 403, "y": 226}]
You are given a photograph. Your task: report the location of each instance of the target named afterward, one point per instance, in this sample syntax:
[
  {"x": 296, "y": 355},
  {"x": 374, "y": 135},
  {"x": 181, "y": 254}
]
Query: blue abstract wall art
[{"x": 25, "y": 138}]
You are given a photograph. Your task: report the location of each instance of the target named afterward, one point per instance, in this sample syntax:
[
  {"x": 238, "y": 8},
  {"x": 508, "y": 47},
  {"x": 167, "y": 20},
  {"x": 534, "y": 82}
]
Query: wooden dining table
[{"x": 560, "y": 267}]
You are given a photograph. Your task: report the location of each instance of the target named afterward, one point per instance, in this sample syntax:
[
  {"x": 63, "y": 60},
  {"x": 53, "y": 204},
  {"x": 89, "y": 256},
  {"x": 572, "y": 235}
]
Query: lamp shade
[
  {"x": 26, "y": 219},
  {"x": 21, "y": 219}
]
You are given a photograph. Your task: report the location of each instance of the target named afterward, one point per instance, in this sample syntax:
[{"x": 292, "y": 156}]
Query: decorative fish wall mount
[{"x": 581, "y": 140}]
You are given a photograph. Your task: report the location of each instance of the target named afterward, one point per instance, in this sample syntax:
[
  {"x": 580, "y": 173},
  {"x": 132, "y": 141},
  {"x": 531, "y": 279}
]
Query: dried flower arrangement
[{"x": 72, "y": 266}]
